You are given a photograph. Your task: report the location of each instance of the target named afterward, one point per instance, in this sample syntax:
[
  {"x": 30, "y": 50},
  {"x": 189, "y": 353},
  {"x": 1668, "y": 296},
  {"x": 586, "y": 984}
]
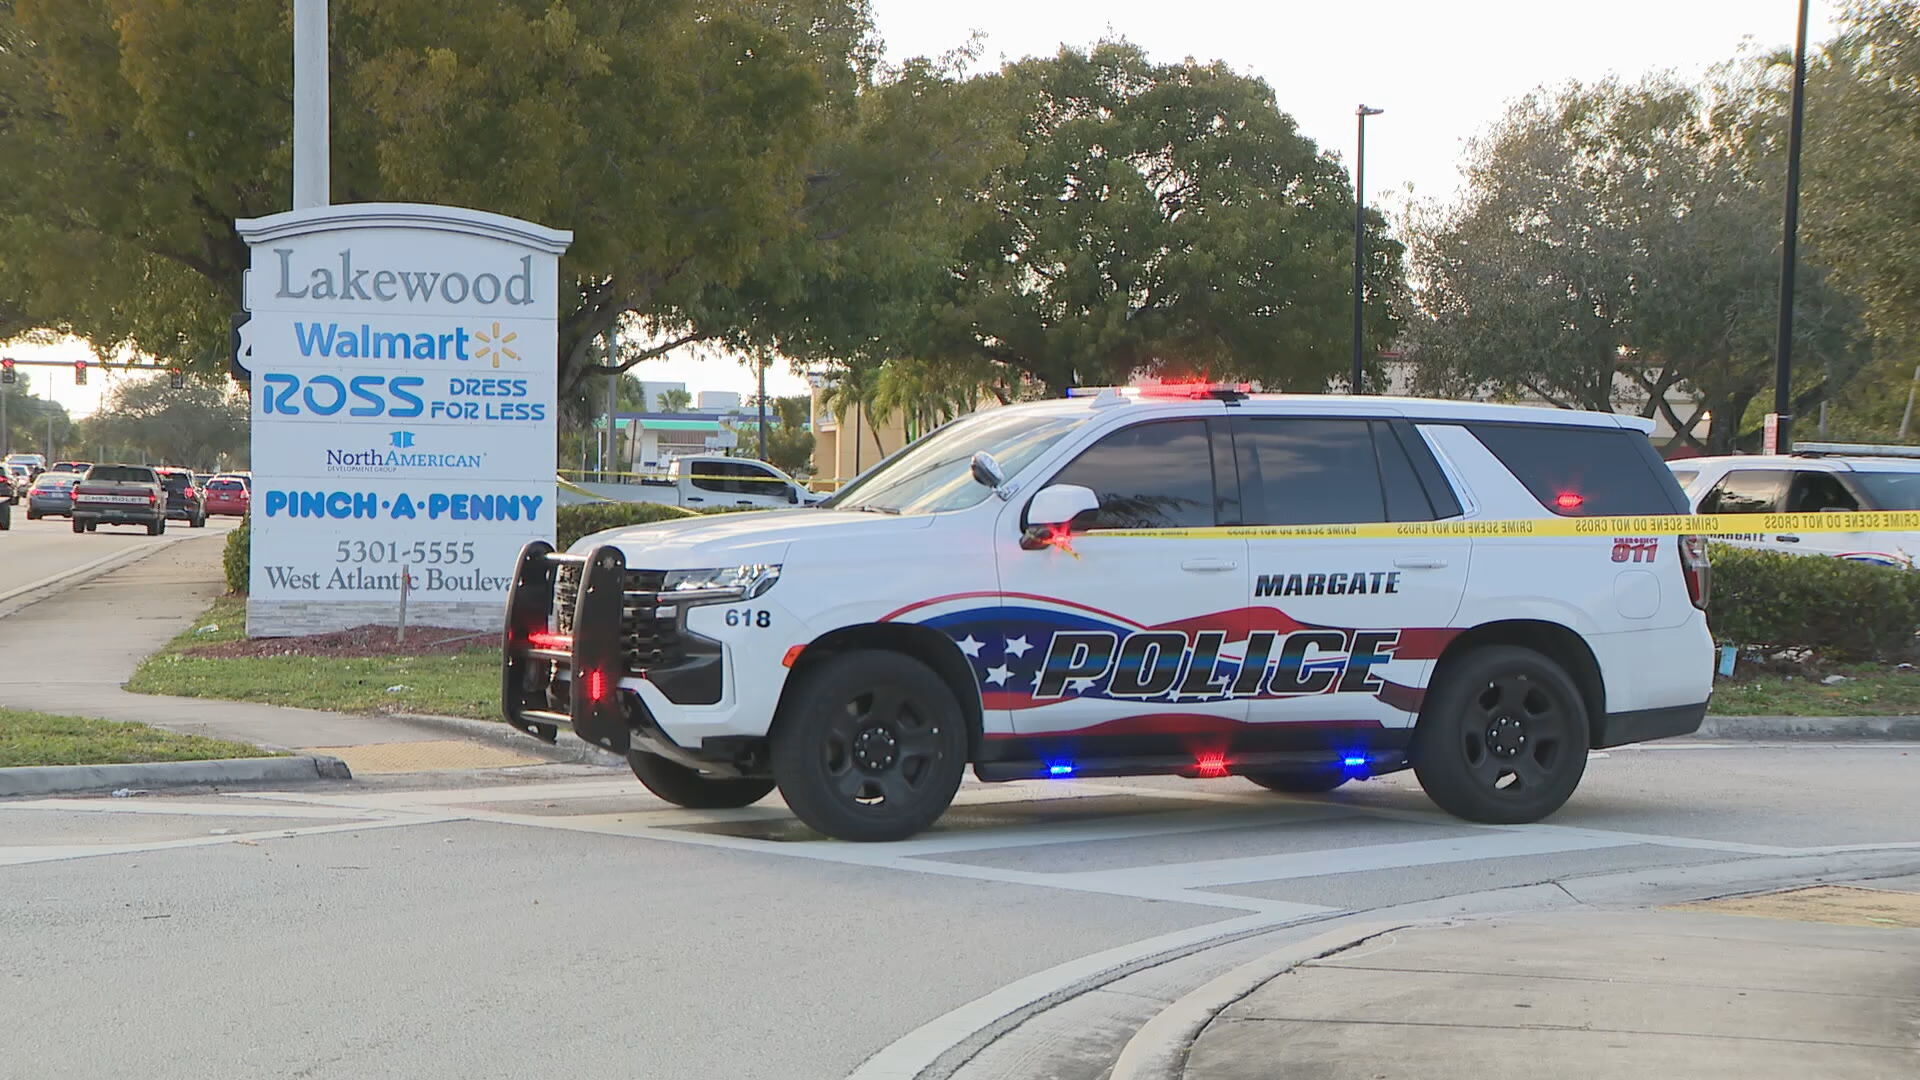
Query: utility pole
[
  {"x": 312, "y": 166},
  {"x": 1360, "y": 112},
  {"x": 763, "y": 408},
  {"x": 1782, "y": 419},
  {"x": 1906, "y": 418}
]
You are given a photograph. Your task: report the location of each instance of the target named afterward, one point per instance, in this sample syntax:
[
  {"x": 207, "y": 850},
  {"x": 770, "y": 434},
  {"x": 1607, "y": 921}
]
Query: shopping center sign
[{"x": 402, "y": 362}]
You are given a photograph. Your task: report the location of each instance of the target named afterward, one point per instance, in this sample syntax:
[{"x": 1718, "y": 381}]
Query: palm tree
[
  {"x": 672, "y": 401},
  {"x": 850, "y": 396}
]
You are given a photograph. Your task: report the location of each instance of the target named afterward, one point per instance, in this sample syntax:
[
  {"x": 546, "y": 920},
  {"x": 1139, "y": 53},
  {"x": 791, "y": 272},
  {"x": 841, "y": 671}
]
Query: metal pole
[
  {"x": 1790, "y": 244},
  {"x": 312, "y": 182},
  {"x": 763, "y": 408},
  {"x": 1360, "y": 113},
  {"x": 406, "y": 581}
]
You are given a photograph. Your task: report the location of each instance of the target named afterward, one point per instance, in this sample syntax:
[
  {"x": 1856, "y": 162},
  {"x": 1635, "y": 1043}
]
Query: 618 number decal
[{"x": 749, "y": 617}]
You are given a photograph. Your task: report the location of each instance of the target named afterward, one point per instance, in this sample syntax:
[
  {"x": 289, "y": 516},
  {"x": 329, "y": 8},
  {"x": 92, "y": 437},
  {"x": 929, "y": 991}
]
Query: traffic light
[
  {"x": 6, "y": 369},
  {"x": 176, "y": 378},
  {"x": 79, "y": 373}
]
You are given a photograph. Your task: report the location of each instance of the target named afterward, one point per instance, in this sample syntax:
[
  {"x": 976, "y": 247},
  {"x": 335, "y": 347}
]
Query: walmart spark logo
[{"x": 495, "y": 345}]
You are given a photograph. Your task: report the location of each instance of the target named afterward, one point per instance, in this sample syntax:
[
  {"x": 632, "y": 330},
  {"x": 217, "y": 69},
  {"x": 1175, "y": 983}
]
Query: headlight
[{"x": 746, "y": 582}]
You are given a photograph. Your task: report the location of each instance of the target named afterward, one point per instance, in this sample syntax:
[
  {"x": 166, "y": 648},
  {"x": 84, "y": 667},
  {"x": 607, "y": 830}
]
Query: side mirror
[
  {"x": 793, "y": 494},
  {"x": 987, "y": 472},
  {"x": 1053, "y": 507}
]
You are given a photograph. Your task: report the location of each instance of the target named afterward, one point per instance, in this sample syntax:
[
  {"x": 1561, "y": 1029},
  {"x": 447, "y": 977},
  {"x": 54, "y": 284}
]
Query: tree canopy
[{"x": 202, "y": 425}]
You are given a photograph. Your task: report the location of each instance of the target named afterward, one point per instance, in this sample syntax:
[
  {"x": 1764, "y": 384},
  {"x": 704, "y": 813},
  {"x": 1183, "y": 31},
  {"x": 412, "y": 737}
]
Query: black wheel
[
  {"x": 871, "y": 747},
  {"x": 1502, "y": 738},
  {"x": 199, "y": 522},
  {"x": 93, "y": 526},
  {"x": 81, "y": 526},
  {"x": 682, "y": 786},
  {"x": 33, "y": 515},
  {"x": 155, "y": 528},
  {"x": 1299, "y": 781}
]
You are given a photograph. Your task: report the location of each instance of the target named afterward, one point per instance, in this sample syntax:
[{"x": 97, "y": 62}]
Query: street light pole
[
  {"x": 312, "y": 185},
  {"x": 1360, "y": 112},
  {"x": 1789, "y": 249}
]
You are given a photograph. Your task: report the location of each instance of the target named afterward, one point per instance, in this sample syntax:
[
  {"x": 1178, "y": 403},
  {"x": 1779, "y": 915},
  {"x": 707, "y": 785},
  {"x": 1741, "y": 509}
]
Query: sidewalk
[
  {"x": 1691, "y": 992},
  {"x": 69, "y": 654}
]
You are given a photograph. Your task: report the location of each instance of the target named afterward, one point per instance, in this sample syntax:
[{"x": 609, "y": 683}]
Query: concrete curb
[
  {"x": 570, "y": 749},
  {"x": 1810, "y": 727},
  {"x": 1158, "y": 1049},
  {"x": 63, "y": 779}
]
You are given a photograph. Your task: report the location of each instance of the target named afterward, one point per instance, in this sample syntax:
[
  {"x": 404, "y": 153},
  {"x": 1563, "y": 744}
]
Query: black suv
[{"x": 184, "y": 501}]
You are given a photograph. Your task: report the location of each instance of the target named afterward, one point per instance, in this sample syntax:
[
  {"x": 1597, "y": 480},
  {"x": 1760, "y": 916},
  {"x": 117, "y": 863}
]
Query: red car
[{"x": 228, "y": 495}]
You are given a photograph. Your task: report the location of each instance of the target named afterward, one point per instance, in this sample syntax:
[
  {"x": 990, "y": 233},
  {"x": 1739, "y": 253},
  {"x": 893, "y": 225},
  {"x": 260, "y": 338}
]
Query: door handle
[
  {"x": 695, "y": 498},
  {"x": 1209, "y": 566},
  {"x": 1423, "y": 563},
  {"x": 1787, "y": 539}
]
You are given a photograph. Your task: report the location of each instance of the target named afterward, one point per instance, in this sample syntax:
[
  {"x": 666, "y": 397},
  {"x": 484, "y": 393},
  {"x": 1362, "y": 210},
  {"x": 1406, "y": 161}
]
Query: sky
[{"x": 1442, "y": 69}]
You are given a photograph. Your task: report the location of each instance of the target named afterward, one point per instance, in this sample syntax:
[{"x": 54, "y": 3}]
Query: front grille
[{"x": 646, "y": 641}]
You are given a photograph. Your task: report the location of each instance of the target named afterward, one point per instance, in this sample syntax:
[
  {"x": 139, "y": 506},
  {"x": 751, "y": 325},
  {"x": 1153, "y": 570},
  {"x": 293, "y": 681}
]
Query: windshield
[
  {"x": 1890, "y": 490},
  {"x": 935, "y": 473}
]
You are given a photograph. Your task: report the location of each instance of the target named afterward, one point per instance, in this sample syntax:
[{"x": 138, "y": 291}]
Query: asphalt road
[
  {"x": 558, "y": 921},
  {"x": 33, "y": 551}
]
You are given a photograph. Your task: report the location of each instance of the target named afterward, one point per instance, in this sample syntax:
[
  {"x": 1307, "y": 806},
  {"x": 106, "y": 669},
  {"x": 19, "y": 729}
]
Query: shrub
[
  {"x": 1842, "y": 610},
  {"x": 574, "y": 522},
  {"x": 238, "y": 557}
]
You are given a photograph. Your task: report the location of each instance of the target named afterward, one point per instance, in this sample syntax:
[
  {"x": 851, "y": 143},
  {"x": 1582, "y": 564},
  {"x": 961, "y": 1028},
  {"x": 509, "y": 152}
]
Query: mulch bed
[{"x": 360, "y": 641}]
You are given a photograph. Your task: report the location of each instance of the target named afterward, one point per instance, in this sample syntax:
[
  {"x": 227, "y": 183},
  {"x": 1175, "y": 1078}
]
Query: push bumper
[{"x": 543, "y": 672}]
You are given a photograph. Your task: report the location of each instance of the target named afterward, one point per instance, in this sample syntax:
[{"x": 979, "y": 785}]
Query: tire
[
  {"x": 682, "y": 786},
  {"x": 80, "y": 526},
  {"x": 93, "y": 526},
  {"x": 1503, "y": 737},
  {"x": 155, "y": 528},
  {"x": 1299, "y": 781},
  {"x": 199, "y": 522},
  {"x": 34, "y": 515},
  {"x": 870, "y": 746}
]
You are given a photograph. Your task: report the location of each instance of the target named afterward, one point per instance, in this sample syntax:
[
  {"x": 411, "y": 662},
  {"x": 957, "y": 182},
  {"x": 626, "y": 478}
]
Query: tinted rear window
[
  {"x": 225, "y": 485},
  {"x": 176, "y": 481},
  {"x": 120, "y": 474},
  {"x": 1585, "y": 471}
]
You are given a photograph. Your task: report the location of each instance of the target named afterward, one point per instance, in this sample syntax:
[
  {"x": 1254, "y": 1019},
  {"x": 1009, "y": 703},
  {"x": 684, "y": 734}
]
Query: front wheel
[
  {"x": 1299, "y": 781},
  {"x": 1502, "y": 738},
  {"x": 871, "y": 746},
  {"x": 682, "y": 786}
]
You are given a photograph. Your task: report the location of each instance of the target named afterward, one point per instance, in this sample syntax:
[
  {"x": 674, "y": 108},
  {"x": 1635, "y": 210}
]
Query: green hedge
[
  {"x": 1845, "y": 611},
  {"x": 238, "y": 556},
  {"x": 574, "y": 522}
]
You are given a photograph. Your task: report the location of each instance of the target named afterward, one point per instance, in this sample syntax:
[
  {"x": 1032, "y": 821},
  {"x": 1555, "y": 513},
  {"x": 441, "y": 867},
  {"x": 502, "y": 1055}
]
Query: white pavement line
[
  {"x": 1812, "y": 743},
  {"x": 875, "y": 857},
  {"x": 1303, "y": 864},
  {"x": 1107, "y": 827},
  {"x": 20, "y": 856},
  {"x": 1733, "y": 847},
  {"x": 913, "y": 1052}
]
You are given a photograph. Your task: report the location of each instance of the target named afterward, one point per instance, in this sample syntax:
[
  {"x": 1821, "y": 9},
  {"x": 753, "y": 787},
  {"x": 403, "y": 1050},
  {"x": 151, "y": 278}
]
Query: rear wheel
[
  {"x": 155, "y": 528},
  {"x": 33, "y": 515},
  {"x": 1502, "y": 738},
  {"x": 199, "y": 522},
  {"x": 682, "y": 786},
  {"x": 871, "y": 746},
  {"x": 1299, "y": 781},
  {"x": 80, "y": 526}
]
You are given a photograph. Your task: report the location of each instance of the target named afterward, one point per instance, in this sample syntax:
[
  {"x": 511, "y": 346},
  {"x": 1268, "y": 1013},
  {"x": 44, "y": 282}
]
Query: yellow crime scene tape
[{"x": 1646, "y": 525}]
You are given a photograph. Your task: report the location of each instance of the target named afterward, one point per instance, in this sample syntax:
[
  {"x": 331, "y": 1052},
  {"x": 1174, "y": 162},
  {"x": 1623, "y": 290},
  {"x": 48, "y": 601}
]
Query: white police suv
[
  {"x": 989, "y": 597},
  {"x": 1819, "y": 478}
]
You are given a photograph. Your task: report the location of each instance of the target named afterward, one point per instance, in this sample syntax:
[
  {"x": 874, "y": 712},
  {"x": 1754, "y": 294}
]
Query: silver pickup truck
[{"x": 120, "y": 495}]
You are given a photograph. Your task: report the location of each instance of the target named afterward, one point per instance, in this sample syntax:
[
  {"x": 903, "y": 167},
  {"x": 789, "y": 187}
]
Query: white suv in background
[
  {"x": 1821, "y": 477},
  {"x": 972, "y": 601}
]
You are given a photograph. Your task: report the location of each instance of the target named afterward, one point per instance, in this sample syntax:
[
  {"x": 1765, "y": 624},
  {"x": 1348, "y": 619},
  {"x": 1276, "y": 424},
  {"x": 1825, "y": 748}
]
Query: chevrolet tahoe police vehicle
[
  {"x": 1817, "y": 478},
  {"x": 986, "y": 598}
]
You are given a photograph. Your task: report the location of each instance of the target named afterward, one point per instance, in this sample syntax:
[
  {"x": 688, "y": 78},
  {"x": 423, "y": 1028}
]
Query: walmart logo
[{"x": 401, "y": 439}]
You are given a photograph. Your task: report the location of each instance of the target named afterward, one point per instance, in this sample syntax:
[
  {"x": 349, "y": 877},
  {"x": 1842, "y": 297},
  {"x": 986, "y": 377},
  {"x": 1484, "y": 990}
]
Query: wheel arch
[
  {"x": 931, "y": 647},
  {"x": 1561, "y": 644}
]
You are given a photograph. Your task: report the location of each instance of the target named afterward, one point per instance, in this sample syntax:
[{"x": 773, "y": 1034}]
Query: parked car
[
  {"x": 184, "y": 499},
  {"x": 228, "y": 496},
  {"x": 1816, "y": 478},
  {"x": 70, "y": 466},
  {"x": 51, "y": 495},
  {"x": 19, "y": 478},
  {"x": 120, "y": 495}
]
